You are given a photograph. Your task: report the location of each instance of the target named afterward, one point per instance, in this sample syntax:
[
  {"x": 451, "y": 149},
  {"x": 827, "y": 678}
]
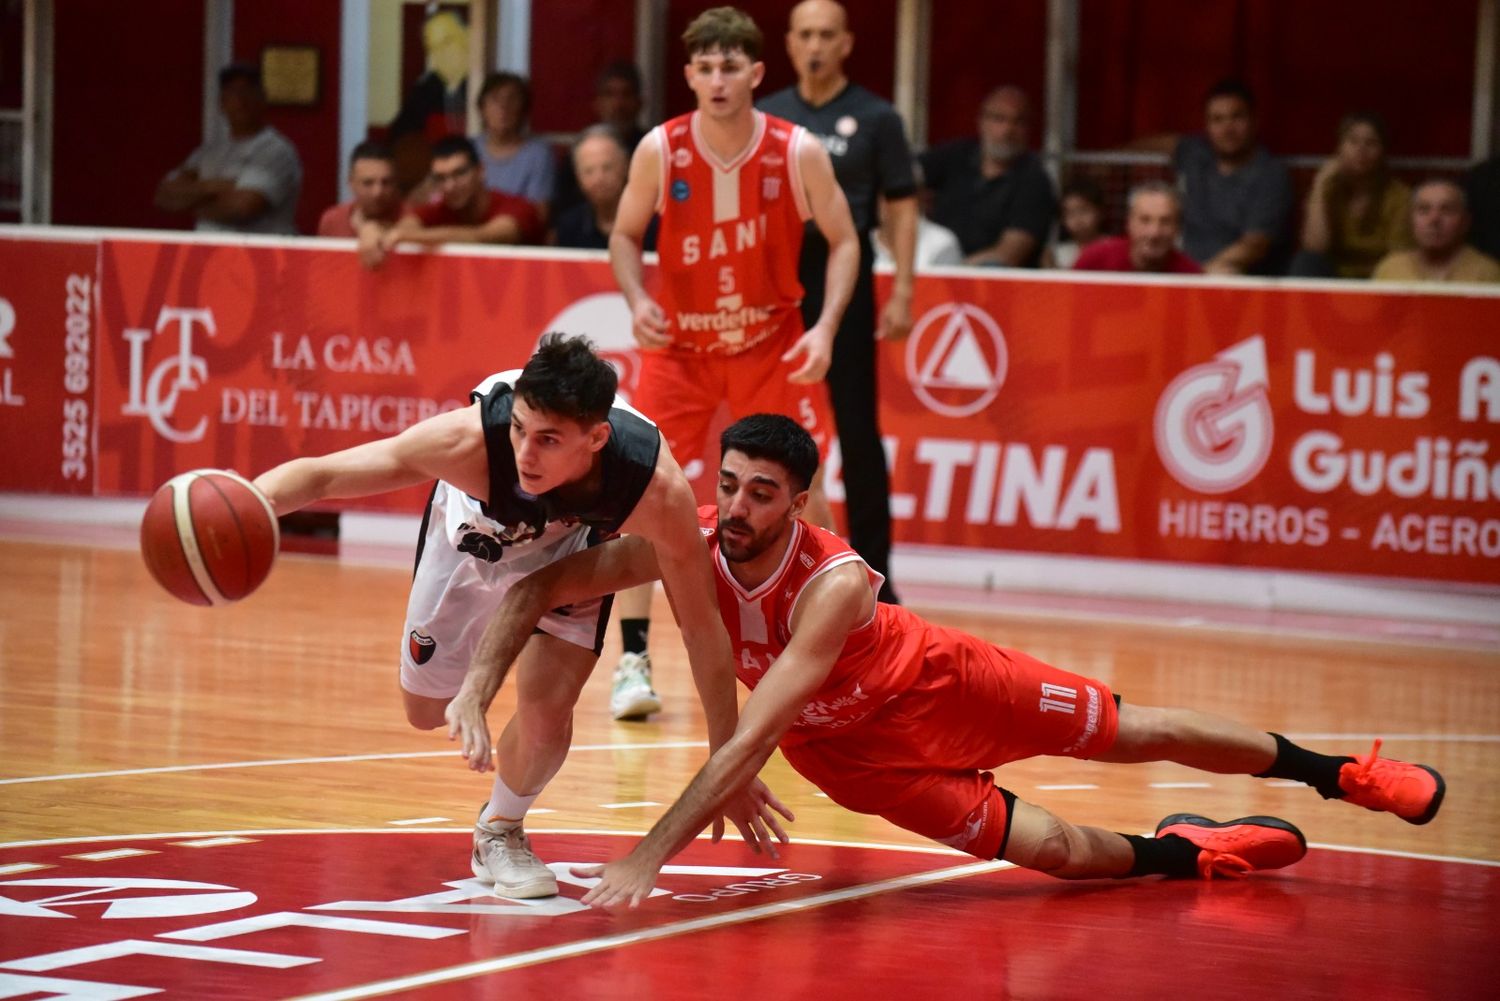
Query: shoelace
[
  {"x": 516, "y": 845},
  {"x": 1361, "y": 775},
  {"x": 1211, "y": 864}
]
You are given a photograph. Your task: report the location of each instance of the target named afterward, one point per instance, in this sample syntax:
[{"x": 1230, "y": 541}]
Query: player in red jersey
[
  {"x": 891, "y": 715},
  {"x": 733, "y": 188}
]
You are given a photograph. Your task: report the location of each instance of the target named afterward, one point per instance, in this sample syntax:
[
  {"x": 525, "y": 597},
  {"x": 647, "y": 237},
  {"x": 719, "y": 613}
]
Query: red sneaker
[
  {"x": 1236, "y": 848},
  {"x": 1411, "y": 792}
]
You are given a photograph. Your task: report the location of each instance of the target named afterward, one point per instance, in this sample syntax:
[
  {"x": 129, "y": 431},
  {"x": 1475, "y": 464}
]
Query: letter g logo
[{"x": 1213, "y": 423}]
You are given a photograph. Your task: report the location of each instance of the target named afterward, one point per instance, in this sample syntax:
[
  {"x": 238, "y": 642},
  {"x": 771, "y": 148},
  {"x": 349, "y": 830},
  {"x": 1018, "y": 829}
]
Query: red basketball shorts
[
  {"x": 921, "y": 761},
  {"x": 681, "y": 391}
]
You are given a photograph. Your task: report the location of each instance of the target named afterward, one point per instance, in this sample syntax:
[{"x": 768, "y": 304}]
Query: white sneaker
[
  {"x": 632, "y": 696},
  {"x": 503, "y": 859}
]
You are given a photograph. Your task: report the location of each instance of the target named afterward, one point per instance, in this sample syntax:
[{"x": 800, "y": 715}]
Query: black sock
[
  {"x": 1321, "y": 771},
  {"x": 1169, "y": 855},
  {"x": 633, "y": 634}
]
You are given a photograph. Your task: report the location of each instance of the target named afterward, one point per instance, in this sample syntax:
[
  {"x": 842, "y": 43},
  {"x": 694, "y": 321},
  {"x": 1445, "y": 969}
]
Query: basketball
[{"x": 209, "y": 537}]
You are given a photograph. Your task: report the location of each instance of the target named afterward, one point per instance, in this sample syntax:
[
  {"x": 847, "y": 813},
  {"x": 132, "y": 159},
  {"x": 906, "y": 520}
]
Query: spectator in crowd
[
  {"x": 601, "y": 165},
  {"x": 247, "y": 182},
  {"x": 618, "y": 103},
  {"x": 467, "y": 211},
  {"x": 513, "y": 161},
  {"x": 1482, "y": 186},
  {"x": 1356, "y": 212},
  {"x": 1236, "y": 197},
  {"x": 376, "y": 201},
  {"x": 1439, "y": 224},
  {"x": 1082, "y": 223},
  {"x": 1153, "y": 222},
  {"x": 993, "y": 192}
]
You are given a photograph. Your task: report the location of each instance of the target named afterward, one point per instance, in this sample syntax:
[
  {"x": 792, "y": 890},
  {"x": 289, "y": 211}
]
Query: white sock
[{"x": 506, "y": 808}]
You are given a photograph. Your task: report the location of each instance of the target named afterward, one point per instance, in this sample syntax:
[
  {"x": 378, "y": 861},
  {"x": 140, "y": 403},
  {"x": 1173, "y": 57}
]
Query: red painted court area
[{"x": 363, "y": 914}]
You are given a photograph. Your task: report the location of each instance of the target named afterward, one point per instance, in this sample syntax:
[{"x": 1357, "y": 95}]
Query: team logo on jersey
[
  {"x": 846, "y": 126},
  {"x": 770, "y": 188},
  {"x": 420, "y": 646},
  {"x": 1213, "y": 422},
  {"x": 772, "y": 159},
  {"x": 680, "y": 190},
  {"x": 956, "y": 359},
  {"x": 682, "y": 158}
]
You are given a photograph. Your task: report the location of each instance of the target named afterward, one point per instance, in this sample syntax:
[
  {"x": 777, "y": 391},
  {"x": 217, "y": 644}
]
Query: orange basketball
[{"x": 209, "y": 537}]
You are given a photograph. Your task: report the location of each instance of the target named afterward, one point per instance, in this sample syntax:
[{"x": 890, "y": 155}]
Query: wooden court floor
[{"x": 130, "y": 723}]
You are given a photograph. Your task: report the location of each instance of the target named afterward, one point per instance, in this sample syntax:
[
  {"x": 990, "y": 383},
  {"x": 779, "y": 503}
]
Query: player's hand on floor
[
  {"x": 753, "y": 810},
  {"x": 466, "y": 724},
  {"x": 817, "y": 346},
  {"x": 648, "y": 322},
  {"x": 626, "y": 881}
]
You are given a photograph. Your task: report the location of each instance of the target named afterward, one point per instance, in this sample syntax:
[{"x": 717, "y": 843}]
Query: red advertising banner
[
  {"x": 243, "y": 357},
  {"x": 47, "y": 321},
  {"x": 1346, "y": 432},
  {"x": 1275, "y": 427}
]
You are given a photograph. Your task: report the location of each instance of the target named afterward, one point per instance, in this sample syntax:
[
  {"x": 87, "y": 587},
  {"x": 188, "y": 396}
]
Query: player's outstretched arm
[
  {"x": 832, "y": 605},
  {"x": 830, "y": 211},
  {"x": 449, "y": 446},
  {"x": 599, "y": 570},
  {"x": 627, "y": 238},
  {"x": 667, "y": 517}
]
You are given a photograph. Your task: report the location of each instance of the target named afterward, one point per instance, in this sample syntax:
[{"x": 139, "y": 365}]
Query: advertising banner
[
  {"x": 1273, "y": 427},
  {"x": 47, "y": 335}
]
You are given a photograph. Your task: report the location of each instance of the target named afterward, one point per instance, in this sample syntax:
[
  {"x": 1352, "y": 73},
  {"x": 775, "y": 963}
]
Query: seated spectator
[
  {"x": 617, "y": 104},
  {"x": 1482, "y": 186},
  {"x": 1153, "y": 222},
  {"x": 467, "y": 211},
  {"x": 513, "y": 162},
  {"x": 992, "y": 192},
  {"x": 1356, "y": 212},
  {"x": 1439, "y": 224},
  {"x": 937, "y": 247},
  {"x": 372, "y": 181},
  {"x": 1082, "y": 223},
  {"x": 1236, "y": 197},
  {"x": 248, "y": 182},
  {"x": 601, "y": 165}
]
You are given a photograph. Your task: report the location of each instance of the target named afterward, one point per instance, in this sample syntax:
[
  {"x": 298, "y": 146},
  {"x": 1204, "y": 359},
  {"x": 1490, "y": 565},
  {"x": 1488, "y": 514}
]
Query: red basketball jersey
[
  {"x": 880, "y": 659},
  {"x": 730, "y": 236}
]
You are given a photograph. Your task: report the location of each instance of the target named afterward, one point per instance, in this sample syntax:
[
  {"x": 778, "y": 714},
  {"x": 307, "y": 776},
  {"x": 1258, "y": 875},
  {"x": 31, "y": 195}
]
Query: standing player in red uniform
[
  {"x": 891, "y": 715},
  {"x": 734, "y": 188}
]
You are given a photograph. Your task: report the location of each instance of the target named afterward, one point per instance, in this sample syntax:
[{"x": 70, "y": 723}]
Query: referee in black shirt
[{"x": 865, "y": 138}]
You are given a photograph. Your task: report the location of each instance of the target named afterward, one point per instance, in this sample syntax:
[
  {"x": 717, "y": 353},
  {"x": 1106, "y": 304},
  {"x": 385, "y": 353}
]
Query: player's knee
[
  {"x": 1040, "y": 841},
  {"x": 424, "y": 713}
]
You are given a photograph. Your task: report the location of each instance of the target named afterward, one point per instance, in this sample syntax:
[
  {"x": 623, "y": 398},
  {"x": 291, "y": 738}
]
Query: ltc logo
[
  {"x": 1213, "y": 423},
  {"x": 155, "y": 396},
  {"x": 956, "y": 359}
]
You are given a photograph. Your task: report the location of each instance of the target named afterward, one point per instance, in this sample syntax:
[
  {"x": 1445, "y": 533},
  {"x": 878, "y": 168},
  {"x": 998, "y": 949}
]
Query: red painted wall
[
  {"x": 313, "y": 130},
  {"x": 977, "y": 47},
  {"x": 1144, "y": 66},
  {"x": 570, "y": 43},
  {"x": 128, "y": 107}
]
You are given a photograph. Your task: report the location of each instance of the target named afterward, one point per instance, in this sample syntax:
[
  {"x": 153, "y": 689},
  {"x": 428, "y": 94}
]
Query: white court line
[
  {"x": 213, "y": 842},
  {"x": 421, "y": 820},
  {"x": 336, "y": 759},
  {"x": 112, "y": 854},
  {"x": 604, "y": 942}
]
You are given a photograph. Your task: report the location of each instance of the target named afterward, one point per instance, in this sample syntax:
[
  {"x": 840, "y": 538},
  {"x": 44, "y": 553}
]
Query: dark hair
[
  {"x": 455, "y": 145},
  {"x": 774, "y": 437},
  {"x": 495, "y": 81},
  {"x": 724, "y": 28},
  {"x": 1370, "y": 118},
  {"x": 565, "y": 377},
  {"x": 622, "y": 69},
  {"x": 240, "y": 71},
  {"x": 371, "y": 150},
  {"x": 1231, "y": 87},
  {"x": 1086, "y": 188}
]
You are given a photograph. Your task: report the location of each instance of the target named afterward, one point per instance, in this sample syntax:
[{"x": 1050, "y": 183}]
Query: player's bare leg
[
  {"x": 1185, "y": 845},
  {"x": 1218, "y": 744},
  {"x": 549, "y": 676},
  {"x": 423, "y": 711}
]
